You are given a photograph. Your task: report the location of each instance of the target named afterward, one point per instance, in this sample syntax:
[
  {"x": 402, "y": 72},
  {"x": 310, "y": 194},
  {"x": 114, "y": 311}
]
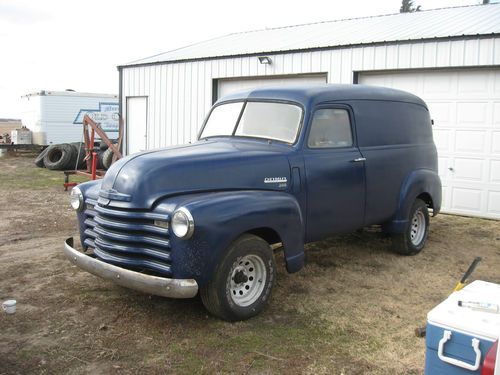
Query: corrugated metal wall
[{"x": 180, "y": 94}]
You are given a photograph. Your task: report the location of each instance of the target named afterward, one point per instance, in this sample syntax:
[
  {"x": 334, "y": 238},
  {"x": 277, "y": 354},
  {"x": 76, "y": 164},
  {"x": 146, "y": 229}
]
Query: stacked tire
[
  {"x": 106, "y": 158},
  {"x": 80, "y": 152},
  {"x": 60, "y": 157},
  {"x": 39, "y": 159},
  {"x": 72, "y": 156}
]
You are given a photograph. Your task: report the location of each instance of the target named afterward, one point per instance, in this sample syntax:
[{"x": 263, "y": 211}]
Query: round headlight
[
  {"x": 76, "y": 198},
  {"x": 182, "y": 223}
]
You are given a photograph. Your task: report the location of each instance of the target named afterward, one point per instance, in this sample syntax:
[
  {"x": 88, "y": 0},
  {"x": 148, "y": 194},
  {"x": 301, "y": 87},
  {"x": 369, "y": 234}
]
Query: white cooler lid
[{"x": 474, "y": 322}]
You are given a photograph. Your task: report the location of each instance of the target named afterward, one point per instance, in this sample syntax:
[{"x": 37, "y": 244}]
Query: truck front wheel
[
  {"x": 412, "y": 241},
  {"x": 242, "y": 284}
]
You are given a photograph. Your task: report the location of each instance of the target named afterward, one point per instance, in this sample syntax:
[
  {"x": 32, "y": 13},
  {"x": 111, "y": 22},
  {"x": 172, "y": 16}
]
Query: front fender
[
  {"x": 221, "y": 217},
  {"x": 416, "y": 183}
]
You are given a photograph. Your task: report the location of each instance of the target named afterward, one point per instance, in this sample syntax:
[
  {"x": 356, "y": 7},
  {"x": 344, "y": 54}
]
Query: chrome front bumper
[{"x": 160, "y": 286}]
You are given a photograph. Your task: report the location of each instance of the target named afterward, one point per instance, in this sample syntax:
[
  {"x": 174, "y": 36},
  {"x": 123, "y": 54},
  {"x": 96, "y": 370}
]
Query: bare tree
[{"x": 407, "y": 6}]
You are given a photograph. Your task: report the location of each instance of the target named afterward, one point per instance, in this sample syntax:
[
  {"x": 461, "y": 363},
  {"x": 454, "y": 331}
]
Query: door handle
[{"x": 357, "y": 160}]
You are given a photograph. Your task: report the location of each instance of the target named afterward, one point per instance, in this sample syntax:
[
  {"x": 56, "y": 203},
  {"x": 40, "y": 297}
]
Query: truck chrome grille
[{"x": 128, "y": 239}]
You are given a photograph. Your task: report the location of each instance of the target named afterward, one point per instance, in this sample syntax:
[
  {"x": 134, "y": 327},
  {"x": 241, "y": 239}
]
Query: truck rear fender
[
  {"x": 421, "y": 183},
  {"x": 222, "y": 217}
]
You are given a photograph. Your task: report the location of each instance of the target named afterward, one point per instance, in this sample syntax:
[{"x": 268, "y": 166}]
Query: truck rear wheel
[
  {"x": 413, "y": 239},
  {"x": 243, "y": 281}
]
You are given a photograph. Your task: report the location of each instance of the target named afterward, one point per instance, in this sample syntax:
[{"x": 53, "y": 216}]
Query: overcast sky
[{"x": 77, "y": 44}]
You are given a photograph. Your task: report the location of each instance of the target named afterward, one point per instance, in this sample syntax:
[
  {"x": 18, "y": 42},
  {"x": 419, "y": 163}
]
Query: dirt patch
[{"x": 352, "y": 310}]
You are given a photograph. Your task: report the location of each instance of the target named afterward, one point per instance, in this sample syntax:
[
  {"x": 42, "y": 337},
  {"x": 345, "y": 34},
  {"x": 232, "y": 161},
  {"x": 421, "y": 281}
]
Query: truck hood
[{"x": 139, "y": 180}]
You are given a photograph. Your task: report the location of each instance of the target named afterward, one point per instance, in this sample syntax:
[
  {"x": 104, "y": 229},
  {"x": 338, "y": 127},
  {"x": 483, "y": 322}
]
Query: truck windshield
[{"x": 279, "y": 121}]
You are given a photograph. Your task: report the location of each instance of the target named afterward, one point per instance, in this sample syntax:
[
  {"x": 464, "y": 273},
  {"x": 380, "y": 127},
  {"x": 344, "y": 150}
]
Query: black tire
[
  {"x": 73, "y": 154},
  {"x": 413, "y": 239},
  {"x": 60, "y": 157},
  {"x": 220, "y": 297},
  {"x": 103, "y": 146},
  {"x": 39, "y": 159},
  {"x": 100, "y": 164},
  {"x": 80, "y": 154},
  {"x": 107, "y": 158}
]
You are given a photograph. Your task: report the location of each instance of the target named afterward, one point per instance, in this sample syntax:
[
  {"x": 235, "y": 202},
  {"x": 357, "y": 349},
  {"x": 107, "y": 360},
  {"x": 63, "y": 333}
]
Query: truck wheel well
[
  {"x": 427, "y": 199},
  {"x": 268, "y": 234}
]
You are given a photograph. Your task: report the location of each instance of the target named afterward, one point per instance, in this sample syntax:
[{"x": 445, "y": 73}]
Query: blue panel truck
[{"x": 271, "y": 165}]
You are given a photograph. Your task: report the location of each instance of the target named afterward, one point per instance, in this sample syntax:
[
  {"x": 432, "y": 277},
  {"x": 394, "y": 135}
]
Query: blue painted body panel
[
  {"x": 223, "y": 216},
  {"x": 340, "y": 183},
  {"x": 203, "y": 166},
  {"x": 458, "y": 347},
  {"x": 221, "y": 181}
]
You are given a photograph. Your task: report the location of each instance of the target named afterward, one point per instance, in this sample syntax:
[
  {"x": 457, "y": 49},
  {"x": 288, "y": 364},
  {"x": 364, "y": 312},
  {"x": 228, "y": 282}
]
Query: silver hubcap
[
  {"x": 247, "y": 280},
  {"x": 417, "y": 228}
]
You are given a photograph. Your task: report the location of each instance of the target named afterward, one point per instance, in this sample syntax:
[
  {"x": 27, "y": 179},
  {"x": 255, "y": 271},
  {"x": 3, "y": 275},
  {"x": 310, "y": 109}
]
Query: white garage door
[
  {"x": 227, "y": 86},
  {"x": 465, "y": 106}
]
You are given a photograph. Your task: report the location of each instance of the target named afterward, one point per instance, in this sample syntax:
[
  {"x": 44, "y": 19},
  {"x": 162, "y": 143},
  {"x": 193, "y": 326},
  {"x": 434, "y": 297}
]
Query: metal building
[{"x": 450, "y": 57}]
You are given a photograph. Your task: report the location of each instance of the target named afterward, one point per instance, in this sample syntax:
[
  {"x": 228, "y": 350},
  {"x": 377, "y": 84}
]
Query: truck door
[{"x": 335, "y": 174}]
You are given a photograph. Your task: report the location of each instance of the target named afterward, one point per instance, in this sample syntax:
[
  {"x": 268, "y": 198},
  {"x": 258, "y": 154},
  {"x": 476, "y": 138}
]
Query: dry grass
[{"x": 352, "y": 310}]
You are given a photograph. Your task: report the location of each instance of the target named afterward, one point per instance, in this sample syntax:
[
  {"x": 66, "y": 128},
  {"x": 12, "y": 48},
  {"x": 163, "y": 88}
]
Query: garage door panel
[
  {"x": 445, "y": 200},
  {"x": 495, "y": 172},
  {"x": 381, "y": 81},
  {"x": 228, "y": 86},
  {"x": 441, "y": 113},
  {"x": 496, "y": 80},
  {"x": 494, "y": 203},
  {"x": 442, "y": 139},
  {"x": 469, "y": 169},
  {"x": 443, "y": 167},
  {"x": 405, "y": 82},
  {"x": 496, "y": 114},
  {"x": 472, "y": 114},
  {"x": 472, "y": 84},
  {"x": 467, "y": 141},
  {"x": 465, "y": 106},
  {"x": 466, "y": 199},
  {"x": 495, "y": 143},
  {"x": 437, "y": 84}
]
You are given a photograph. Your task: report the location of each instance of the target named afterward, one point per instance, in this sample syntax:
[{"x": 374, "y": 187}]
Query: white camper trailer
[{"x": 56, "y": 116}]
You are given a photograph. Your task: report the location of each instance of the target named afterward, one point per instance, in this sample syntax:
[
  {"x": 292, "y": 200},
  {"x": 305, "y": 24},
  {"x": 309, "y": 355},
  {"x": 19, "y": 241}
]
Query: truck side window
[{"x": 330, "y": 128}]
